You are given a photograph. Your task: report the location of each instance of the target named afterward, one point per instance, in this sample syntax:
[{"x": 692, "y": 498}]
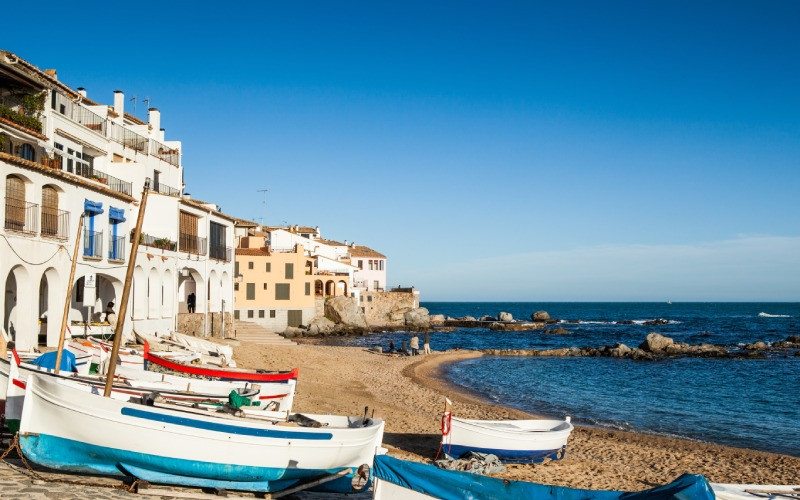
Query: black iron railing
[
  {"x": 165, "y": 153},
  {"x": 93, "y": 244},
  {"x": 22, "y": 216},
  {"x": 192, "y": 244},
  {"x": 162, "y": 188},
  {"x": 220, "y": 252},
  {"x": 116, "y": 247},
  {"x": 128, "y": 138},
  {"x": 89, "y": 172},
  {"x": 55, "y": 223},
  {"x": 78, "y": 113}
]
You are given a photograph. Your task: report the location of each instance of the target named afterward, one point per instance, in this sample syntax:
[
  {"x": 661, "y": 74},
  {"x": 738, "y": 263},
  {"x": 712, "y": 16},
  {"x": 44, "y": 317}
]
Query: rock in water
[
  {"x": 540, "y": 316},
  {"x": 418, "y": 318},
  {"x": 655, "y": 342},
  {"x": 345, "y": 311},
  {"x": 437, "y": 319},
  {"x": 506, "y": 317}
]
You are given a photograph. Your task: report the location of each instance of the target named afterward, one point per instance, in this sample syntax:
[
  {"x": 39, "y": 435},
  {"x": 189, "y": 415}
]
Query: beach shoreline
[{"x": 409, "y": 393}]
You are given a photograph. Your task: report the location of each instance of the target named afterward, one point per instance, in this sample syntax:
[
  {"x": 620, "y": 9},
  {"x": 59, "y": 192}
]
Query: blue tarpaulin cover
[
  {"x": 116, "y": 214},
  {"x": 48, "y": 360},
  {"x": 93, "y": 207},
  {"x": 446, "y": 484}
]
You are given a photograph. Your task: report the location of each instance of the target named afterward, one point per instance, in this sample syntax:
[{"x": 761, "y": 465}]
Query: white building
[{"x": 63, "y": 155}]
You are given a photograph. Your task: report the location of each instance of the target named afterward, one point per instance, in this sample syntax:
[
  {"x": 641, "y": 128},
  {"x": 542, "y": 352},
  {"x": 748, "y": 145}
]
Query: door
[{"x": 295, "y": 318}]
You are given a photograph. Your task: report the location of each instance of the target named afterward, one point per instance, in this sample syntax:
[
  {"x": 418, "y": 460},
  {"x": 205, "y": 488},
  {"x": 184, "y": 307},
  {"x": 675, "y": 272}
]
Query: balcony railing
[
  {"x": 116, "y": 247},
  {"x": 55, "y": 223},
  {"x": 157, "y": 242},
  {"x": 93, "y": 244},
  {"x": 78, "y": 113},
  {"x": 22, "y": 216},
  {"x": 112, "y": 182},
  {"x": 165, "y": 153},
  {"x": 192, "y": 244},
  {"x": 128, "y": 138},
  {"x": 162, "y": 188},
  {"x": 220, "y": 252}
]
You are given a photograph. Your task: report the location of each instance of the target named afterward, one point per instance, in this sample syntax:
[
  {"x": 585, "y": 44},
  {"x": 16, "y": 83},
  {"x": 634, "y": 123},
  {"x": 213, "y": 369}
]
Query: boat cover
[
  {"x": 438, "y": 483},
  {"x": 48, "y": 360}
]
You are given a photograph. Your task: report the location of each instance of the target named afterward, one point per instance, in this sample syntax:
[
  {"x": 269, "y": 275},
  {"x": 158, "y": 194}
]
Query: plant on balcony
[
  {"x": 20, "y": 119},
  {"x": 33, "y": 104},
  {"x": 164, "y": 243}
]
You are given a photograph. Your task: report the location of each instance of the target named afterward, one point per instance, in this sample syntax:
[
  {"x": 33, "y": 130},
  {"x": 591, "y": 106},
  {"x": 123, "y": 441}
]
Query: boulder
[
  {"x": 345, "y": 311},
  {"x": 640, "y": 355},
  {"x": 417, "y": 318},
  {"x": 468, "y": 318},
  {"x": 540, "y": 316},
  {"x": 321, "y": 324},
  {"x": 655, "y": 342},
  {"x": 756, "y": 346},
  {"x": 655, "y": 322},
  {"x": 619, "y": 350},
  {"x": 437, "y": 319},
  {"x": 486, "y": 317},
  {"x": 292, "y": 332},
  {"x": 557, "y": 331},
  {"x": 504, "y": 316}
]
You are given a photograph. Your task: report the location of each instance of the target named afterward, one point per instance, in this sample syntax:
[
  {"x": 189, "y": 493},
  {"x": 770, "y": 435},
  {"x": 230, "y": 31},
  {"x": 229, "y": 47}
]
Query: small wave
[{"x": 766, "y": 315}]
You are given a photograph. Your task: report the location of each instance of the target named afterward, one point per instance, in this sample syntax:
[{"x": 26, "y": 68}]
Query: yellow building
[{"x": 274, "y": 289}]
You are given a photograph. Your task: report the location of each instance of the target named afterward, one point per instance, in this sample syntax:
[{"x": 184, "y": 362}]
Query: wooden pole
[
  {"x": 63, "y": 332},
  {"x": 126, "y": 292}
]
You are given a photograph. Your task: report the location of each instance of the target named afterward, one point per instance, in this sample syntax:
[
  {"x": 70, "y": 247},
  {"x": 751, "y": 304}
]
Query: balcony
[
  {"x": 165, "y": 153},
  {"x": 162, "y": 188},
  {"x": 128, "y": 138},
  {"x": 192, "y": 244},
  {"x": 156, "y": 242},
  {"x": 116, "y": 248},
  {"x": 21, "y": 216},
  {"x": 93, "y": 244},
  {"x": 220, "y": 252},
  {"x": 79, "y": 114},
  {"x": 55, "y": 223},
  {"x": 112, "y": 182},
  {"x": 28, "y": 122}
]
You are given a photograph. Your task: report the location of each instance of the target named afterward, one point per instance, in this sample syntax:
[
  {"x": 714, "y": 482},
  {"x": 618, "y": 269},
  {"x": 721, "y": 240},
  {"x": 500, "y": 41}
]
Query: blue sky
[{"x": 493, "y": 150}]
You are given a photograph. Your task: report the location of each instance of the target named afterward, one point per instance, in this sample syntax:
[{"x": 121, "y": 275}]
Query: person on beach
[
  {"x": 190, "y": 302},
  {"x": 426, "y": 345},
  {"x": 111, "y": 317},
  {"x": 414, "y": 345},
  {"x": 391, "y": 346}
]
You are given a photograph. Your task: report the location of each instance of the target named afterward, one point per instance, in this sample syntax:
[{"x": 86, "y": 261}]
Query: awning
[
  {"x": 116, "y": 214},
  {"x": 93, "y": 207}
]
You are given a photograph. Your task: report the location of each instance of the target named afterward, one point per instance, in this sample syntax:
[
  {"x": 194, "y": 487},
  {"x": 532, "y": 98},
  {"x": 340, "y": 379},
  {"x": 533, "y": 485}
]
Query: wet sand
[{"x": 409, "y": 393}]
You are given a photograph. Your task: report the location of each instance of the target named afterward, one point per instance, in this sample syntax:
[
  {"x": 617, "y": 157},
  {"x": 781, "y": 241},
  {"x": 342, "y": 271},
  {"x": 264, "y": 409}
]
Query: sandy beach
[{"x": 409, "y": 393}]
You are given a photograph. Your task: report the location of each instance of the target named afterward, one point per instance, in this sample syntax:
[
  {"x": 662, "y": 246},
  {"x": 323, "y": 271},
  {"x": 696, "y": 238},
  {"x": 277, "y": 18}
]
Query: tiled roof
[
  {"x": 244, "y": 222},
  {"x": 331, "y": 242},
  {"x": 362, "y": 251},
  {"x": 252, "y": 251},
  {"x": 201, "y": 205},
  {"x": 23, "y": 128}
]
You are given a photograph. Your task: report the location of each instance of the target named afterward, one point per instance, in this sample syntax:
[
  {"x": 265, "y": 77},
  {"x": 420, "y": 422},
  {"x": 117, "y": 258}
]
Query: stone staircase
[{"x": 256, "y": 334}]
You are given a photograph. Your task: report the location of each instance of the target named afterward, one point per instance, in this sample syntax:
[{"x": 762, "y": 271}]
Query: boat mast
[
  {"x": 65, "y": 317},
  {"x": 126, "y": 291}
]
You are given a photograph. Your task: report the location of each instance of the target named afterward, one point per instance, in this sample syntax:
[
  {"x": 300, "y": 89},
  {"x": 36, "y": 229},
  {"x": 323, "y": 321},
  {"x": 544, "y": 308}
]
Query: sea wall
[
  {"x": 387, "y": 308},
  {"x": 195, "y": 324}
]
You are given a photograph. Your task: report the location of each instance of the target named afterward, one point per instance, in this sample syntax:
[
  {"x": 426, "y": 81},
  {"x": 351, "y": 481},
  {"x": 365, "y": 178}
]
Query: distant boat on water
[{"x": 669, "y": 302}]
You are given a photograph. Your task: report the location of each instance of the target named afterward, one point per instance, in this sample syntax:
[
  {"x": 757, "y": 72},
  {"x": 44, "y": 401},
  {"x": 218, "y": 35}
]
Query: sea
[{"x": 749, "y": 403}]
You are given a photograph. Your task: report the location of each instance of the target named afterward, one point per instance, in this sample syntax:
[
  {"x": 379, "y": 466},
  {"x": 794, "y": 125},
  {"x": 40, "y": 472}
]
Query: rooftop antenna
[
  {"x": 146, "y": 100},
  {"x": 265, "y": 191},
  {"x": 133, "y": 100}
]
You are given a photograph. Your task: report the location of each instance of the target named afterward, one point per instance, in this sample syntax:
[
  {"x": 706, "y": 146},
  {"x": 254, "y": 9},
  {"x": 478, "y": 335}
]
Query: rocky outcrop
[
  {"x": 505, "y": 317},
  {"x": 437, "y": 319},
  {"x": 418, "y": 318},
  {"x": 320, "y": 326},
  {"x": 556, "y": 331},
  {"x": 345, "y": 311},
  {"x": 540, "y": 316},
  {"x": 486, "y": 317},
  {"x": 756, "y": 346},
  {"x": 655, "y": 342},
  {"x": 515, "y": 327}
]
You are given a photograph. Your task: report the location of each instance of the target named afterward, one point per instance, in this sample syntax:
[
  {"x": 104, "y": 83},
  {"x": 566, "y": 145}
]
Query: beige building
[{"x": 274, "y": 288}]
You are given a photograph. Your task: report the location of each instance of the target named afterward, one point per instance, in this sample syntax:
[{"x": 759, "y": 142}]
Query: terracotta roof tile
[
  {"x": 362, "y": 251},
  {"x": 252, "y": 251}
]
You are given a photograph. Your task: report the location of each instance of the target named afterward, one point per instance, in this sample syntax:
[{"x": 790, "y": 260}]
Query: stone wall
[
  {"x": 194, "y": 324},
  {"x": 387, "y": 308},
  {"x": 215, "y": 325}
]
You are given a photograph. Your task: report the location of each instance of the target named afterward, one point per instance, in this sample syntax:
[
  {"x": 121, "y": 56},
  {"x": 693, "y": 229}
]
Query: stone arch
[
  {"x": 139, "y": 309},
  {"x": 154, "y": 297},
  {"x": 214, "y": 292},
  {"x": 51, "y": 307},
  {"x": 330, "y": 288},
  {"x": 226, "y": 291},
  {"x": 18, "y": 322},
  {"x": 168, "y": 295},
  {"x": 191, "y": 281},
  {"x": 341, "y": 288},
  {"x": 109, "y": 290},
  {"x": 319, "y": 288}
]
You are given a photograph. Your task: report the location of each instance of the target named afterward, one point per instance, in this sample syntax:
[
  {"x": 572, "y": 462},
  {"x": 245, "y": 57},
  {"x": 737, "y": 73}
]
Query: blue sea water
[{"x": 752, "y": 403}]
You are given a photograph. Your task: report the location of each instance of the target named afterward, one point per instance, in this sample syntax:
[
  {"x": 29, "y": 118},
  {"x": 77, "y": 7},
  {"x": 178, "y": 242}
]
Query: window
[
  {"x": 27, "y": 152},
  {"x": 360, "y": 264},
  {"x": 236, "y": 269},
  {"x": 361, "y": 298},
  {"x": 249, "y": 313},
  {"x": 282, "y": 291},
  {"x": 272, "y": 313},
  {"x": 308, "y": 288},
  {"x": 269, "y": 267},
  {"x": 369, "y": 298},
  {"x": 381, "y": 263},
  {"x": 265, "y": 286},
  {"x": 250, "y": 265},
  {"x": 236, "y": 314},
  {"x": 370, "y": 265},
  {"x": 260, "y": 313},
  {"x": 236, "y": 287},
  {"x": 289, "y": 271},
  {"x": 251, "y": 291},
  {"x": 376, "y": 284}
]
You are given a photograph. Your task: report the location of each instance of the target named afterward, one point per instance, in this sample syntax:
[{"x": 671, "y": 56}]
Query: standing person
[
  {"x": 190, "y": 302},
  {"x": 111, "y": 317},
  {"x": 414, "y": 345},
  {"x": 426, "y": 345},
  {"x": 391, "y": 346}
]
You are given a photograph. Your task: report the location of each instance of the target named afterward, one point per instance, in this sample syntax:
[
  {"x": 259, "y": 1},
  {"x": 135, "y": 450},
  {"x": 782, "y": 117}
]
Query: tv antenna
[
  {"x": 265, "y": 191},
  {"x": 133, "y": 100}
]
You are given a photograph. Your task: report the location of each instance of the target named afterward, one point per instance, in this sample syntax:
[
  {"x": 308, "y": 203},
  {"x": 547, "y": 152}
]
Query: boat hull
[
  {"x": 67, "y": 429},
  {"x": 513, "y": 441}
]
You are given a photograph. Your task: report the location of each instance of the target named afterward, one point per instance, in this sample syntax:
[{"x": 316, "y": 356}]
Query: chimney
[
  {"x": 187, "y": 196},
  {"x": 82, "y": 91},
  {"x": 353, "y": 244},
  {"x": 52, "y": 74},
  {"x": 119, "y": 103},
  {"x": 296, "y": 228},
  {"x": 155, "y": 118},
  {"x": 345, "y": 242}
]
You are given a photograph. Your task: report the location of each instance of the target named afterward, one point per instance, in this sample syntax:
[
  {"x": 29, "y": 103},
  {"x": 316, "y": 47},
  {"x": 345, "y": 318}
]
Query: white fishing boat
[
  {"x": 130, "y": 357},
  {"x": 755, "y": 491},
  {"x": 519, "y": 441},
  {"x": 211, "y": 352},
  {"x": 70, "y": 430}
]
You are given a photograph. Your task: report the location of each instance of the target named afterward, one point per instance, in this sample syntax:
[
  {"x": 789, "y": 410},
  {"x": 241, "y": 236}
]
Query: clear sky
[{"x": 493, "y": 150}]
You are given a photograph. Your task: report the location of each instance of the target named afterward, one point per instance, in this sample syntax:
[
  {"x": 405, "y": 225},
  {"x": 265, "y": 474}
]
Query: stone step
[{"x": 256, "y": 334}]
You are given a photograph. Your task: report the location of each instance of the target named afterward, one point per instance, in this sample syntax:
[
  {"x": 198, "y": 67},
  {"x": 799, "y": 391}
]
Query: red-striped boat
[{"x": 157, "y": 363}]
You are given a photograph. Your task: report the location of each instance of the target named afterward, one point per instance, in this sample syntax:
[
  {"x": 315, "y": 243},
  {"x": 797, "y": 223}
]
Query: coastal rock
[
  {"x": 656, "y": 322},
  {"x": 655, "y": 342},
  {"x": 437, "y": 319},
  {"x": 445, "y": 329},
  {"x": 756, "y": 346},
  {"x": 506, "y": 317},
  {"x": 417, "y": 318},
  {"x": 640, "y": 355},
  {"x": 515, "y": 327},
  {"x": 619, "y": 350},
  {"x": 467, "y": 318},
  {"x": 398, "y": 315},
  {"x": 320, "y": 325},
  {"x": 486, "y": 317},
  {"x": 345, "y": 311},
  {"x": 557, "y": 331},
  {"x": 292, "y": 332},
  {"x": 540, "y": 316}
]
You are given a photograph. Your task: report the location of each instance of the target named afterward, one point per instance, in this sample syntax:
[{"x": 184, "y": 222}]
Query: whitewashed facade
[{"x": 93, "y": 159}]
